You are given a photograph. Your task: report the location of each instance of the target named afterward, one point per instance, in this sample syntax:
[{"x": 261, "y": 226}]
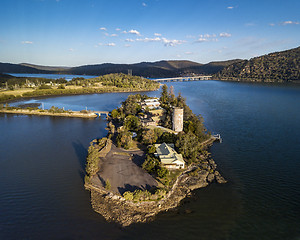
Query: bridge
[
  {"x": 183, "y": 79},
  {"x": 99, "y": 113}
]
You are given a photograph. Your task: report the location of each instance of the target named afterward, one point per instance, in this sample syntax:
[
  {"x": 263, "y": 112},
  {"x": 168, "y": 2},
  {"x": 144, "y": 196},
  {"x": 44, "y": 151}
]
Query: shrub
[
  {"x": 107, "y": 185},
  {"x": 61, "y": 86},
  {"x": 44, "y": 86},
  {"x": 128, "y": 195}
]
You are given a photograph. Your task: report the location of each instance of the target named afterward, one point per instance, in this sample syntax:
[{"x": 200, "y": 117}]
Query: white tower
[{"x": 177, "y": 119}]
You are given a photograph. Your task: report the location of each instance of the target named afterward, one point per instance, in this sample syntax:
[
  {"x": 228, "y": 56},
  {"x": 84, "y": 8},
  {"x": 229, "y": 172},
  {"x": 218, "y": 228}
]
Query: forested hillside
[{"x": 275, "y": 67}]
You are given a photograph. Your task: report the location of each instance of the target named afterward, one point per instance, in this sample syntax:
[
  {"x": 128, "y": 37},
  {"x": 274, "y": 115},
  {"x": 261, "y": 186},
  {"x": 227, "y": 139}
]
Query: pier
[
  {"x": 217, "y": 137},
  {"x": 184, "y": 79}
]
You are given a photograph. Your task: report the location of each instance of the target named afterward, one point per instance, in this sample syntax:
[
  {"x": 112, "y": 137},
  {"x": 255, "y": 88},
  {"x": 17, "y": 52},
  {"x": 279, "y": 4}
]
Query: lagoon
[{"x": 42, "y": 161}]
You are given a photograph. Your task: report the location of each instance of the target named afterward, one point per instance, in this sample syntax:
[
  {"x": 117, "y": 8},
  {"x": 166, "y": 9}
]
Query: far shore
[{"x": 18, "y": 98}]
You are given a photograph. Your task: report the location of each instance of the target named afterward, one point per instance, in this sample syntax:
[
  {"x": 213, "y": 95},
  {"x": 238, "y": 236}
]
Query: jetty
[
  {"x": 217, "y": 137},
  {"x": 40, "y": 112}
]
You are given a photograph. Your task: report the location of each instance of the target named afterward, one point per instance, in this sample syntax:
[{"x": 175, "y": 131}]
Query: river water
[{"x": 42, "y": 161}]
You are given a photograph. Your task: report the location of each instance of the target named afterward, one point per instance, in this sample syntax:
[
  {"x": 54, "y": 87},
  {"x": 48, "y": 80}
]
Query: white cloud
[
  {"x": 172, "y": 43},
  {"x": 127, "y": 45},
  {"x": 272, "y": 24},
  {"x": 224, "y": 34},
  {"x": 208, "y": 36},
  {"x": 132, "y": 31},
  {"x": 118, "y": 29},
  {"x": 103, "y": 29},
  {"x": 157, "y": 39},
  {"x": 230, "y": 7},
  {"x": 144, "y": 4},
  {"x": 129, "y": 40},
  {"x": 110, "y": 35},
  {"x": 165, "y": 41},
  {"x": 27, "y": 42},
  {"x": 110, "y": 44},
  {"x": 157, "y": 34},
  {"x": 71, "y": 50},
  {"x": 202, "y": 39},
  {"x": 289, "y": 23}
]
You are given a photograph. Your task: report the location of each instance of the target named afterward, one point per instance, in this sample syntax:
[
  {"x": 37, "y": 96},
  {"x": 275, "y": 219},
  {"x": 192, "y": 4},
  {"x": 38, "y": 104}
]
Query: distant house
[
  {"x": 151, "y": 103},
  {"x": 147, "y": 120},
  {"x": 168, "y": 156}
]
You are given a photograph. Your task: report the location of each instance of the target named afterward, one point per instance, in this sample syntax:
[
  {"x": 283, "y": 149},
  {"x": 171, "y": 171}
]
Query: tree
[
  {"x": 132, "y": 123},
  {"x": 92, "y": 161},
  {"x": 149, "y": 136},
  {"x": 164, "y": 94},
  {"x": 180, "y": 101},
  {"x": 61, "y": 86},
  {"x": 189, "y": 146},
  {"x": 162, "y": 172},
  {"x": 115, "y": 113},
  {"x": 151, "y": 164},
  {"x": 130, "y": 105},
  {"x": 124, "y": 139}
]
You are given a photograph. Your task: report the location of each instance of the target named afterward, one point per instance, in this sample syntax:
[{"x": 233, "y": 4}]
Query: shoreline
[
  {"x": 115, "y": 208},
  {"x": 74, "y": 114}
]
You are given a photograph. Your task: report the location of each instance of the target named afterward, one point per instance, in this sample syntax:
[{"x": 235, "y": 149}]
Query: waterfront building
[{"x": 169, "y": 158}]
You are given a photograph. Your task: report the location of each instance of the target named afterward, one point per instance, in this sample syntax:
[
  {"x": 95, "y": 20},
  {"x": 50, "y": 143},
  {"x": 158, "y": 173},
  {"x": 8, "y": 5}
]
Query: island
[
  {"x": 155, "y": 154},
  {"x": 13, "y": 88}
]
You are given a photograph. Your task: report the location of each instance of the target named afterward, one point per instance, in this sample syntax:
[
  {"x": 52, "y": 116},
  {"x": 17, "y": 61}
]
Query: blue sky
[{"x": 79, "y": 32}]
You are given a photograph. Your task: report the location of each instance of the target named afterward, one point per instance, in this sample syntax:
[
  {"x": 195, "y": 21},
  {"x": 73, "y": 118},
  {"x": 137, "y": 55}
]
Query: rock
[
  {"x": 210, "y": 177},
  {"x": 219, "y": 178},
  {"x": 212, "y": 164}
]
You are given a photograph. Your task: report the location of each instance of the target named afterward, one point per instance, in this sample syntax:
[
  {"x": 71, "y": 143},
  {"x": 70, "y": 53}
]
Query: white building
[
  {"x": 151, "y": 103},
  {"x": 169, "y": 158}
]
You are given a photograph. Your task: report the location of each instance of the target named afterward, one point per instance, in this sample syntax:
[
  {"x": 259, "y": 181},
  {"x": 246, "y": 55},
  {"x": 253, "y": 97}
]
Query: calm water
[
  {"x": 42, "y": 161},
  {"x": 68, "y": 77}
]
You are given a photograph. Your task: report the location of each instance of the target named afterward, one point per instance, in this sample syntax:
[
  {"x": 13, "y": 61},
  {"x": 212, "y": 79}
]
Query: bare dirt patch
[{"x": 121, "y": 169}]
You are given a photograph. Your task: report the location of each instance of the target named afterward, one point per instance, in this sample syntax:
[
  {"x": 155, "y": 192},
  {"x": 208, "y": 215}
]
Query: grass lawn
[{"x": 17, "y": 92}]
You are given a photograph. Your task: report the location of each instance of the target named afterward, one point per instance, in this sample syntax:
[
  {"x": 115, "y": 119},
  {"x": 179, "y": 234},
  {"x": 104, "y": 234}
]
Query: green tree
[
  {"x": 151, "y": 164},
  {"x": 162, "y": 172},
  {"x": 61, "y": 86},
  {"x": 149, "y": 136},
  {"x": 132, "y": 123},
  {"x": 92, "y": 161},
  {"x": 164, "y": 95},
  {"x": 124, "y": 139}
]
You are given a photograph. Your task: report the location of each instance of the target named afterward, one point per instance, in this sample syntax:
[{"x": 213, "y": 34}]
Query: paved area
[{"x": 122, "y": 170}]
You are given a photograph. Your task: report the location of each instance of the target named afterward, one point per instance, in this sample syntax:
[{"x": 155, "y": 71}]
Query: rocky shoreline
[{"x": 115, "y": 208}]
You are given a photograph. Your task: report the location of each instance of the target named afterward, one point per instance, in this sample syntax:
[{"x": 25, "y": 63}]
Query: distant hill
[
  {"x": 18, "y": 68},
  {"x": 146, "y": 69},
  {"x": 153, "y": 69},
  {"x": 274, "y": 67},
  {"x": 45, "y": 68}
]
